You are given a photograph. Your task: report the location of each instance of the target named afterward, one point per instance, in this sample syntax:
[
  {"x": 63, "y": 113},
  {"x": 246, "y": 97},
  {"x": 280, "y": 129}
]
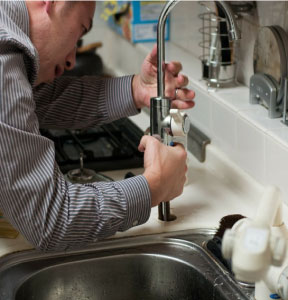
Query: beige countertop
[{"x": 214, "y": 189}]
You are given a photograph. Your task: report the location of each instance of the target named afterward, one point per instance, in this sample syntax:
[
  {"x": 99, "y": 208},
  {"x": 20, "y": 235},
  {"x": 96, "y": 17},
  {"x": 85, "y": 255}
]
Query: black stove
[{"x": 112, "y": 146}]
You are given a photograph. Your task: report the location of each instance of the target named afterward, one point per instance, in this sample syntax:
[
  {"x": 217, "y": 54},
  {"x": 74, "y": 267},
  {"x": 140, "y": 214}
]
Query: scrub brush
[
  {"x": 214, "y": 245},
  {"x": 227, "y": 222}
]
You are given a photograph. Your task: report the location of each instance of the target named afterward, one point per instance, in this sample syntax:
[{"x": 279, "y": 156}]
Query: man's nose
[{"x": 71, "y": 60}]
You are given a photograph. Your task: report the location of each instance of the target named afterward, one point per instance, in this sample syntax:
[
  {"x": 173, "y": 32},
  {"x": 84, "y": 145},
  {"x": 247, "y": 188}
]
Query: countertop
[{"x": 214, "y": 189}]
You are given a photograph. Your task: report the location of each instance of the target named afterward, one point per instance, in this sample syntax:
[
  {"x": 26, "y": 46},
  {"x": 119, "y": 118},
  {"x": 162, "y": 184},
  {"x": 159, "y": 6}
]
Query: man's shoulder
[
  {"x": 14, "y": 23},
  {"x": 14, "y": 34}
]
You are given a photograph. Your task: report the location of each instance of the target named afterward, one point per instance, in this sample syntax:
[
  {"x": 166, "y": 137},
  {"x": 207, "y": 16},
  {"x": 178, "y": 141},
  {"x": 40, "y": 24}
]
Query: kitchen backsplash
[
  {"x": 185, "y": 24},
  {"x": 243, "y": 132}
]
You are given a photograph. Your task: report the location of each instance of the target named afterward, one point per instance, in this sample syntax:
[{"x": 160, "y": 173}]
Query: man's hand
[
  {"x": 165, "y": 169},
  {"x": 144, "y": 85}
]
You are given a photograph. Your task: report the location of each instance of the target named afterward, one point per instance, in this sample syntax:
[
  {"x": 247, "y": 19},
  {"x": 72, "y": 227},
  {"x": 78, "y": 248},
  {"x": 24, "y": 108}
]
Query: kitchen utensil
[
  {"x": 223, "y": 35},
  {"x": 243, "y": 7},
  {"x": 269, "y": 54},
  {"x": 284, "y": 40},
  {"x": 270, "y": 63},
  {"x": 218, "y": 52}
]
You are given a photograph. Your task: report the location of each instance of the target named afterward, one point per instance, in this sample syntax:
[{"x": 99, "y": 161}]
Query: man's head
[{"x": 55, "y": 28}]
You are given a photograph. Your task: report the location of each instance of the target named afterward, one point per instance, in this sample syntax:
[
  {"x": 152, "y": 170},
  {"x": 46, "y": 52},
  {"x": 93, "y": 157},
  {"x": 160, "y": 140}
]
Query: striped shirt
[{"x": 50, "y": 212}]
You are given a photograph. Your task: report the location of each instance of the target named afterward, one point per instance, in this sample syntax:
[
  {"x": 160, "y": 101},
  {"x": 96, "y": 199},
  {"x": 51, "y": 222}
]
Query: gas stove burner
[
  {"x": 107, "y": 147},
  {"x": 84, "y": 175},
  {"x": 81, "y": 175}
]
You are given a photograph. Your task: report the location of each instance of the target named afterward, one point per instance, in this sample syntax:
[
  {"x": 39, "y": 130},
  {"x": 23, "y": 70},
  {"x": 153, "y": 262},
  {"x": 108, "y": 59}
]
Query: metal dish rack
[{"x": 218, "y": 61}]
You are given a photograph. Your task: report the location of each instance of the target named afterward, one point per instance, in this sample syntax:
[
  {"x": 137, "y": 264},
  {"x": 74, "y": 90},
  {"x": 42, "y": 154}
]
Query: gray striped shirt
[{"x": 34, "y": 196}]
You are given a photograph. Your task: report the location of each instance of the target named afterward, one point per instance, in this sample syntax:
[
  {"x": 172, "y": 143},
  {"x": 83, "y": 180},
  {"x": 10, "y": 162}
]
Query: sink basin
[{"x": 164, "y": 266}]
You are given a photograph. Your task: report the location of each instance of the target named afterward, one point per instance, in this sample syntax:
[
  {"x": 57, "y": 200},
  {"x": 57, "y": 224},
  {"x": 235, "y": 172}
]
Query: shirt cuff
[
  {"x": 120, "y": 98},
  {"x": 137, "y": 194}
]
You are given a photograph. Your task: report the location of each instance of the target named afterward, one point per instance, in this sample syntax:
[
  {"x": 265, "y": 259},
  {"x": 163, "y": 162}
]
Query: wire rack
[{"x": 218, "y": 52}]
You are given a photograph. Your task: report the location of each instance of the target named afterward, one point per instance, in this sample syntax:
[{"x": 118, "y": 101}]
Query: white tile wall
[
  {"x": 250, "y": 148},
  {"x": 258, "y": 116},
  {"x": 276, "y": 164},
  {"x": 223, "y": 128},
  {"x": 185, "y": 25},
  {"x": 200, "y": 115},
  {"x": 240, "y": 130}
]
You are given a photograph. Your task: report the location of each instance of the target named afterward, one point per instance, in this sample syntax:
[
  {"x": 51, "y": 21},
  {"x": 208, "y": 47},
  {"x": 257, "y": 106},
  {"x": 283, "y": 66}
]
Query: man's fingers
[
  {"x": 152, "y": 56},
  {"x": 180, "y": 104},
  {"x": 147, "y": 139},
  {"x": 185, "y": 94},
  {"x": 182, "y": 80},
  {"x": 143, "y": 143},
  {"x": 174, "y": 67},
  {"x": 179, "y": 145}
]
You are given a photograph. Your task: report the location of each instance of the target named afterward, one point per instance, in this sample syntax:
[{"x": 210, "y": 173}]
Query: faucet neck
[
  {"x": 161, "y": 47},
  {"x": 233, "y": 30},
  {"x": 234, "y": 34}
]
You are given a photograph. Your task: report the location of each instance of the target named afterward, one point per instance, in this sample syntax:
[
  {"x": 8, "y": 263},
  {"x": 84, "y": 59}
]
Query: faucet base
[{"x": 164, "y": 212}]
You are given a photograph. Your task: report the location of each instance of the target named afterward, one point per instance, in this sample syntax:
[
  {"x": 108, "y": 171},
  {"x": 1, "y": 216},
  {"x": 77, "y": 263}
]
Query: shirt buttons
[{"x": 135, "y": 223}]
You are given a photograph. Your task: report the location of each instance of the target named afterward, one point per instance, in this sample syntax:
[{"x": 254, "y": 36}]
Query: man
[{"x": 37, "y": 43}]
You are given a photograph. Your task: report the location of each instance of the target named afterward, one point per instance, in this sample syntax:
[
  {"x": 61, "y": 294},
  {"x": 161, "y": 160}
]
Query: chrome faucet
[{"x": 164, "y": 122}]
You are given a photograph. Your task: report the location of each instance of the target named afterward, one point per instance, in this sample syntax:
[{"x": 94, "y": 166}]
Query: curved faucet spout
[
  {"x": 161, "y": 118},
  {"x": 234, "y": 34},
  {"x": 233, "y": 29},
  {"x": 161, "y": 47}
]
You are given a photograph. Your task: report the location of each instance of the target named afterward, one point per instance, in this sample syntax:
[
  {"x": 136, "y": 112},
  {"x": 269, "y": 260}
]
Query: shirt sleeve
[
  {"x": 50, "y": 212},
  {"x": 71, "y": 102}
]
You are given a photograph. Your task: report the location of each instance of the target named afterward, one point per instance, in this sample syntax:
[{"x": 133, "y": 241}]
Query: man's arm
[
  {"x": 71, "y": 102},
  {"x": 54, "y": 214},
  {"x": 34, "y": 196},
  {"x": 83, "y": 102}
]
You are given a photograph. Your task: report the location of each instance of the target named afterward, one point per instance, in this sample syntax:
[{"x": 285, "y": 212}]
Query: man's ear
[{"x": 48, "y": 6}]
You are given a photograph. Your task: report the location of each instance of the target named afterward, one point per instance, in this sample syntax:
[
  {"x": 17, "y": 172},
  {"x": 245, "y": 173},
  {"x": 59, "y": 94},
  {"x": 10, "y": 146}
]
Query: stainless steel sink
[{"x": 165, "y": 266}]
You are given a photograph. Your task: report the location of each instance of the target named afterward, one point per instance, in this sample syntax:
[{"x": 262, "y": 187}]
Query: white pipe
[{"x": 269, "y": 212}]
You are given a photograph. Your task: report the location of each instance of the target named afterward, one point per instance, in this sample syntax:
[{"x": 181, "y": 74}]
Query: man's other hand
[
  {"x": 144, "y": 85},
  {"x": 165, "y": 169}
]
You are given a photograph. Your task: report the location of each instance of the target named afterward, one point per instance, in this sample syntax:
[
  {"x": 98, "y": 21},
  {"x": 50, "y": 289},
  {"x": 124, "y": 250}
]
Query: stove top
[{"x": 107, "y": 147}]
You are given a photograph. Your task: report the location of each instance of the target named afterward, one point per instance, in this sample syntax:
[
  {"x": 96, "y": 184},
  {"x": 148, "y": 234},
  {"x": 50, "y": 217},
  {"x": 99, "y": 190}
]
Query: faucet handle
[
  {"x": 179, "y": 126},
  {"x": 180, "y": 123}
]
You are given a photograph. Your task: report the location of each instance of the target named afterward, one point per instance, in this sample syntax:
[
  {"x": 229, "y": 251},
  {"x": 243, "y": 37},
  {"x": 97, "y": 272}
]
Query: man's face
[{"x": 56, "y": 43}]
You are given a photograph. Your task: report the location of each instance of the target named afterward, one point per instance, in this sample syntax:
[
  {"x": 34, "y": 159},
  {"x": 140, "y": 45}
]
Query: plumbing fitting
[
  {"x": 258, "y": 248},
  {"x": 168, "y": 125}
]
